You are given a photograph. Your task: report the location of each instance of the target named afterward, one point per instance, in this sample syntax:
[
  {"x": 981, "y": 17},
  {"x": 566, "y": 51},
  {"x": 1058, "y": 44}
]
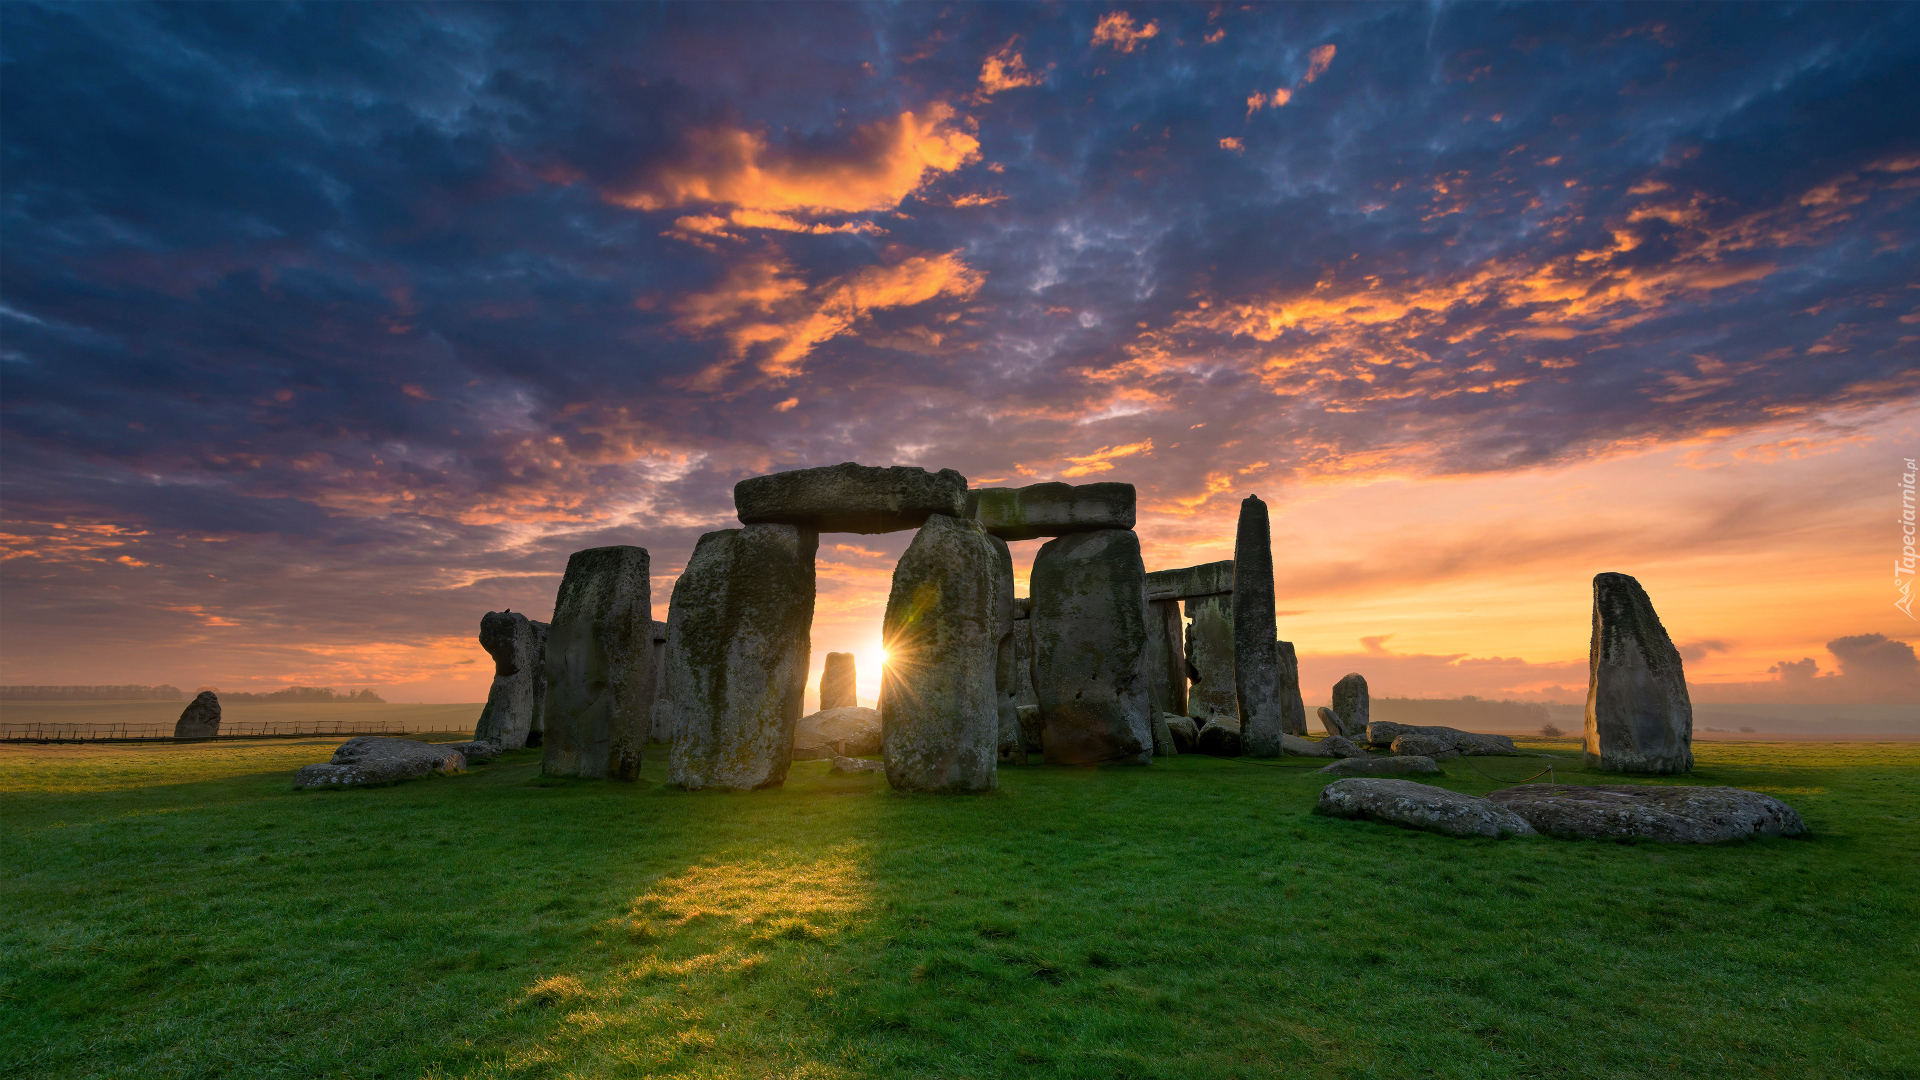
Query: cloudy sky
[{"x": 325, "y": 329}]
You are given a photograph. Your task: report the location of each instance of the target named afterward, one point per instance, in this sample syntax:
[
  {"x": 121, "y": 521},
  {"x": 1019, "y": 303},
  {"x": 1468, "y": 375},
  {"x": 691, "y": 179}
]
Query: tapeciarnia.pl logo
[{"x": 1904, "y": 564}]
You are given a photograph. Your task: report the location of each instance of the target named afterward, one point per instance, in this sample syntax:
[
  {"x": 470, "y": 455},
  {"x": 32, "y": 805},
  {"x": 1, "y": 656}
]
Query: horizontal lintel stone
[
  {"x": 1191, "y": 582},
  {"x": 1055, "y": 509}
]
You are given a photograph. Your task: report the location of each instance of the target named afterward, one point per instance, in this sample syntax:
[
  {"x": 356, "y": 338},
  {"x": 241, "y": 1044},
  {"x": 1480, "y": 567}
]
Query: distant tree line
[
  {"x": 1461, "y": 712},
  {"x": 162, "y": 692},
  {"x": 303, "y": 695}
]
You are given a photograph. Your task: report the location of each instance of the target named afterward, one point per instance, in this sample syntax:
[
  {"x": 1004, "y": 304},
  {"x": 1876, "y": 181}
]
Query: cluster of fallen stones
[{"x": 1682, "y": 815}]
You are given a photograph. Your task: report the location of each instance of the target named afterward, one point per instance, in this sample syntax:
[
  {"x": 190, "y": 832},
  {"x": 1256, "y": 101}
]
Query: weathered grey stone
[
  {"x": 1210, "y": 658},
  {"x": 738, "y": 635},
  {"x": 1471, "y": 743},
  {"x": 1166, "y": 657},
  {"x": 849, "y": 766},
  {"x": 939, "y": 710},
  {"x": 1163, "y": 741},
  {"x": 1007, "y": 677},
  {"x": 851, "y": 498},
  {"x": 509, "y": 638},
  {"x": 1186, "y": 733},
  {"x": 600, "y": 685},
  {"x": 1055, "y": 509},
  {"x": 1382, "y": 766},
  {"x": 477, "y": 750},
  {"x": 1351, "y": 705},
  {"x": 1220, "y": 738},
  {"x": 837, "y": 682},
  {"x": 1090, "y": 649},
  {"x": 848, "y": 730},
  {"x": 1033, "y": 729},
  {"x": 200, "y": 719},
  {"x": 1425, "y": 746},
  {"x": 1334, "y": 746},
  {"x": 1024, "y": 692},
  {"x": 1022, "y": 608},
  {"x": 1639, "y": 717},
  {"x": 1330, "y": 720},
  {"x": 1256, "y": 655},
  {"x": 1191, "y": 582},
  {"x": 537, "y": 727},
  {"x": 1287, "y": 689},
  {"x": 1421, "y": 806},
  {"x": 662, "y": 726},
  {"x": 1679, "y": 815},
  {"x": 376, "y": 759}
]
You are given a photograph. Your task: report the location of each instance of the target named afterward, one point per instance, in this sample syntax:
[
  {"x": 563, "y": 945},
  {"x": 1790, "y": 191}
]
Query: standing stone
[
  {"x": 1350, "y": 703},
  {"x": 1287, "y": 686},
  {"x": 537, "y": 727},
  {"x": 1012, "y": 746},
  {"x": 662, "y": 712},
  {"x": 1639, "y": 718},
  {"x": 200, "y": 719},
  {"x": 738, "y": 637},
  {"x": 836, "y": 682},
  {"x": 1166, "y": 657},
  {"x": 509, "y": 638},
  {"x": 599, "y": 705},
  {"x": 1090, "y": 649},
  {"x": 1024, "y": 694},
  {"x": 1210, "y": 658},
  {"x": 939, "y": 712},
  {"x": 1256, "y": 661},
  {"x": 851, "y": 498}
]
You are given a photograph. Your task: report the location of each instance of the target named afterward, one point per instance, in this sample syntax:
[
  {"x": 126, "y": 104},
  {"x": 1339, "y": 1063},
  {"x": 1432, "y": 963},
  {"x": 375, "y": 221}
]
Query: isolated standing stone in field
[
  {"x": 851, "y": 498},
  {"x": 836, "y": 682},
  {"x": 200, "y": 719},
  {"x": 600, "y": 683},
  {"x": 1090, "y": 649},
  {"x": 1423, "y": 806},
  {"x": 1054, "y": 509},
  {"x": 1210, "y": 658},
  {"x": 662, "y": 725},
  {"x": 738, "y": 635},
  {"x": 1678, "y": 815},
  {"x": 939, "y": 711},
  {"x": 509, "y": 638},
  {"x": 1639, "y": 718},
  {"x": 1351, "y": 705},
  {"x": 1166, "y": 657},
  {"x": 1256, "y": 660},
  {"x": 1287, "y": 689}
]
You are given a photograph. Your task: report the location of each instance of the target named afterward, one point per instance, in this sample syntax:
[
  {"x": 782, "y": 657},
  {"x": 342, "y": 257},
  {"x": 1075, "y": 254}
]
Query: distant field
[
  {"x": 179, "y": 910},
  {"x": 105, "y": 713}
]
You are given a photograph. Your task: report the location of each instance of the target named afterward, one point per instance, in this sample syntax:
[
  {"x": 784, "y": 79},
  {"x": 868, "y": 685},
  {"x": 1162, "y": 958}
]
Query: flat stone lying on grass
[
  {"x": 1678, "y": 815},
  {"x": 1382, "y": 766},
  {"x": 1186, "y": 733},
  {"x": 847, "y": 765},
  {"x": 200, "y": 719},
  {"x": 1425, "y": 746},
  {"x": 379, "y": 759},
  {"x": 1470, "y": 743},
  {"x": 1422, "y": 806},
  {"x": 1053, "y": 509},
  {"x": 850, "y": 730},
  {"x": 1338, "y": 746},
  {"x": 851, "y": 497}
]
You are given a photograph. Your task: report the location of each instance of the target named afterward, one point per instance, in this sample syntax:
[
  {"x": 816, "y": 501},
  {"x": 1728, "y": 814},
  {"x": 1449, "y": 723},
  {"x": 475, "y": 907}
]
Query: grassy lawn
[{"x": 181, "y": 911}]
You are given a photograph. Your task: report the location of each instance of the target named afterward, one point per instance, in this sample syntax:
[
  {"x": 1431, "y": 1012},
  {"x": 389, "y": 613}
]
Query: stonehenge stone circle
[
  {"x": 1056, "y": 509},
  {"x": 200, "y": 719},
  {"x": 1677, "y": 815},
  {"x": 1639, "y": 717},
  {"x": 939, "y": 712},
  {"x": 836, "y": 682},
  {"x": 1210, "y": 658},
  {"x": 600, "y": 684},
  {"x": 1166, "y": 657},
  {"x": 510, "y": 639},
  {"x": 1287, "y": 688},
  {"x": 1256, "y": 659},
  {"x": 1090, "y": 648},
  {"x": 850, "y": 497},
  {"x": 738, "y": 634},
  {"x": 1351, "y": 704}
]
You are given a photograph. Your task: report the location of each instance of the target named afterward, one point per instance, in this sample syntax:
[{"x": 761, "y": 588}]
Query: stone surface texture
[
  {"x": 1639, "y": 717},
  {"x": 379, "y": 759},
  {"x": 939, "y": 709},
  {"x": 1186, "y": 733},
  {"x": 1470, "y": 743},
  {"x": 1333, "y": 746},
  {"x": 1679, "y": 815},
  {"x": 478, "y": 750},
  {"x": 837, "y": 682},
  {"x": 1287, "y": 689},
  {"x": 849, "y": 730},
  {"x": 851, "y": 498},
  {"x": 1221, "y": 738},
  {"x": 1008, "y": 680},
  {"x": 200, "y": 719},
  {"x": 1054, "y": 509},
  {"x": 738, "y": 636},
  {"x": 1210, "y": 658},
  {"x": 1424, "y": 746},
  {"x": 1382, "y": 766},
  {"x": 1351, "y": 704},
  {"x": 662, "y": 726},
  {"x": 848, "y": 766},
  {"x": 537, "y": 728},
  {"x": 509, "y": 638},
  {"x": 1256, "y": 656},
  {"x": 1033, "y": 728},
  {"x": 1422, "y": 806},
  {"x": 1163, "y": 741},
  {"x": 1090, "y": 649},
  {"x": 600, "y": 685},
  {"x": 1166, "y": 657},
  {"x": 1191, "y": 582}
]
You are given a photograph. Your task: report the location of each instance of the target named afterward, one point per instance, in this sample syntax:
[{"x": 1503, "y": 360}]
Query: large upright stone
[
  {"x": 1191, "y": 582},
  {"x": 1639, "y": 717},
  {"x": 938, "y": 710},
  {"x": 1166, "y": 657},
  {"x": 738, "y": 637},
  {"x": 200, "y": 719},
  {"x": 1351, "y": 703},
  {"x": 537, "y": 730},
  {"x": 509, "y": 638},
  {"x": 1024, "y": 694},
  {"x": 837, "y": 682},
  {"x": 1090, "y": 649},
  {"x": 1287, "y": 687},
  {"x": 1210, "y": 658},
  {"x": 1256, "y": 659},
  {"x": 662, "y": 710},
  {"x": 600, "y": 684},
  {"x": 851, "y": 498},
  {"x": 1012, "y": 746},
  {"x": 1055, "y": 509}
]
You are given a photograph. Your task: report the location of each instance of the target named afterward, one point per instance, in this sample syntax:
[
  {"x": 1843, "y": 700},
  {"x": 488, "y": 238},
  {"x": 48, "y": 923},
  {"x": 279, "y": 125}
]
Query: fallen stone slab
[
  {"x": 1221, "y": 738},
  {"x": 379, "y": 759},
  {"x": 1382, "y": 766},
  {"x": 1639, "y": 717},
  {"x": 1470, "y": 743},
  {"x": 1425, "y": 746},
  {"x": 850, "y": 497},
  {"x": 848, "y": 766},
  {"x": 1190, "y": 582},
  {"x": 1333, "y": 746},
  {"x": 848, "y": 731},
  {"x": 1054, "y": 509},
  {"x": 200, "y": 719},
  {"x": 1421, "y": 806},
  {"x": 1675, "y": 815}
]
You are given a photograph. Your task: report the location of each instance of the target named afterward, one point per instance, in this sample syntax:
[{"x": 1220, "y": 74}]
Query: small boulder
[
  {"x": 200, "y": 719},
  {"x": 1424, "y": 746},
  {"x": 1677, "y": 815},
  {"x": 851, "y": 730},
  {"x": 1421, "y": 806},
  {"x": 1186, "y": 733},
  {"x": 377, "y": 759},
  {"x": 1220, "y": 738},
  {"x": 1382, "y": 766},
  {"x": 846, "y": 765}
]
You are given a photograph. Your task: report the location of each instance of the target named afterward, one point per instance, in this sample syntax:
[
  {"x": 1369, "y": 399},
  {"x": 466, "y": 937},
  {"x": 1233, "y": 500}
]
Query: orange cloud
[
  {"x": 1233, "y": 144},
  {"x": 1006, "y": 70},
  {"x": 1101, "y": 460},
  {"x": 1318, "y": 61},
  {"x": 1116, "y": 28},
  {"x": 1258, "y": 100}
]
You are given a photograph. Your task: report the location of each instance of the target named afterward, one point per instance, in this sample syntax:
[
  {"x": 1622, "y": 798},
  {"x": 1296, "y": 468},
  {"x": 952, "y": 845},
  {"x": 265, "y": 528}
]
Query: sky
[{"x": 325, "y": 329}]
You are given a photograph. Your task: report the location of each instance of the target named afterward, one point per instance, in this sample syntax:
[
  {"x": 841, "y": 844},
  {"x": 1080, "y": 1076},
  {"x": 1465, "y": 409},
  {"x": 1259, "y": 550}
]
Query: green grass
[{"x": 180, "y": 911}]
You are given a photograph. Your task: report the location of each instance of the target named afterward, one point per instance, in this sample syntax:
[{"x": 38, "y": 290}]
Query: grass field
[
  {"x": 164, "y": 713},
  {"x": 180, "y": 911}
]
